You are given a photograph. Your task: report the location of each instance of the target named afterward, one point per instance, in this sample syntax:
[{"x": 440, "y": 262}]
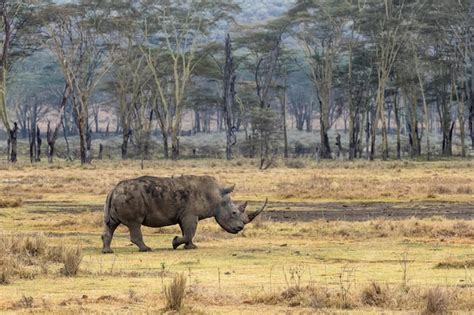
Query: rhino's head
[{"x": 232, "y": 217}]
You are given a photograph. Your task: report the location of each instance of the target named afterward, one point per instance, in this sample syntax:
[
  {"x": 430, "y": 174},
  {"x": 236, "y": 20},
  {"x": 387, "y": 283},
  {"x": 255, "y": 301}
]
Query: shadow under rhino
[{"x": 159, "y": 201}]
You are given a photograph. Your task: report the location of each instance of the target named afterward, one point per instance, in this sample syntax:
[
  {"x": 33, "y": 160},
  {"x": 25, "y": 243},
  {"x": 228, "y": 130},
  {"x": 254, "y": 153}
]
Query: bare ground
[{"x": 293, "y": 212}]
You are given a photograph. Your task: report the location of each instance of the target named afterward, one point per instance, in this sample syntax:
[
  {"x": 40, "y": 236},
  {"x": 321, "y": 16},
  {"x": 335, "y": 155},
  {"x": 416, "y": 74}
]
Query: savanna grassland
[{"x": 51, "y": 216}]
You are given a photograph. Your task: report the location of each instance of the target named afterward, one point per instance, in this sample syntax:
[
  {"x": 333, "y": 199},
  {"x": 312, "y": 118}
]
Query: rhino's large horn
[
  {"x": 253, "y": 215},
  {"x": 227, "y": 190}
]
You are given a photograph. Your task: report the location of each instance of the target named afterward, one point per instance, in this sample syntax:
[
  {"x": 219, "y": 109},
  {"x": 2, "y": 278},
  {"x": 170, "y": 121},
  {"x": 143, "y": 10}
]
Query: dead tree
[
  {"x": 52, "y": 133},
  {"x": 229, "y": 97}
]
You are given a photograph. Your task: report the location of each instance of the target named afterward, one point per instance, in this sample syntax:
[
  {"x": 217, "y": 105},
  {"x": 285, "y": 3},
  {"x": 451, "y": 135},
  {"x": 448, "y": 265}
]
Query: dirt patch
[
  {"x": 43, "y": 207},
  {"x": 303, "y": 211},
  {"x": 284, "y": 212}
]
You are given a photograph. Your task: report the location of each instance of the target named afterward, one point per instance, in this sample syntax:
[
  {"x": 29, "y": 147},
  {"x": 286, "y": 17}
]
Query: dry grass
[
  {"x": 294, "y": 163},
  {"x": 26, "y": 256},
  {"x": 71, "y": 259},
  {"x": 457, "y": 264},
  {"x": 6, "y": 269},
  {"x": 325, "y": 181},
  {"x": 240, "y": 273},
  {"x": 10, "y": 202},
  {"x": 437, "y": 301},
  {"x": 175, "y": 292},
  {"x": 429, "y": 301},
  {"x": 375, "y": 295}
]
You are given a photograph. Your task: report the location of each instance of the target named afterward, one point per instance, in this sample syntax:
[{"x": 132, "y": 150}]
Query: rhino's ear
[
  {"x": 242, "y": 207},
  {"x": 227, "y": 190}
]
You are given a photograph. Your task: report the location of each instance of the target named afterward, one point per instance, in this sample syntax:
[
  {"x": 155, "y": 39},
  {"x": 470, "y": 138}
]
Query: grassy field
[{"x": 46, "y": 212}]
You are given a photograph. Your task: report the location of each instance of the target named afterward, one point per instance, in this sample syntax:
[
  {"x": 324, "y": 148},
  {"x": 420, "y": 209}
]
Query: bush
[
  {"x": 174, "y": 293},
  {"x": 436, "y": 302},
  {"x": 11, "y": 203},
  {"x": 295, "y": 164},
  {"x": 374, "y": 295},
  {"x": 6, "y": 269},
  {"x": 71, "y": 258}
]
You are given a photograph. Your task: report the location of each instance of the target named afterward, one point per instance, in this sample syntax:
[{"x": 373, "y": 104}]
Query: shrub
[
  {"x": 295, "y": 164},
  {"x": 374, "y": 295},
  {"x": 71, "y": 258},
  {"x": 11, "y": 203},
  {"x": 6, "y": 269},
  {"x": 436, "y": 302},
  {"x": 174, "y": 293}
]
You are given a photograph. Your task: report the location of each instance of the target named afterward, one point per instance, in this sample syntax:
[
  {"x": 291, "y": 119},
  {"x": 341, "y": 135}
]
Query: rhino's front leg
[{"x": 188, "y": 227}]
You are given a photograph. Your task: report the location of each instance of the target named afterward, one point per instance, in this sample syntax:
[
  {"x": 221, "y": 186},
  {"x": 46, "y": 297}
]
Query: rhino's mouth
[
  {"x": 234, "y": 230},
  {"x": 237, "y": 230}
]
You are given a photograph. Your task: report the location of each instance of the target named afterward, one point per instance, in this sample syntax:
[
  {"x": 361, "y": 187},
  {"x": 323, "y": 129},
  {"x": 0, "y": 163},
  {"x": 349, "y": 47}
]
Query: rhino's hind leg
[
  {"x": 109, "y": 230},
  {"x": 137, "y": 238},
  {"x": 188, "y": 227}
]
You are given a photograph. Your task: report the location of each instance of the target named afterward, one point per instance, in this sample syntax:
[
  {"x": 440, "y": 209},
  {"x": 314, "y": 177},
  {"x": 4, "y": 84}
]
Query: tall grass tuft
[
  {"x": 71, "y": 259},
  {"x": 175, "y": 292},
  {"x": 436, "y": 301}
]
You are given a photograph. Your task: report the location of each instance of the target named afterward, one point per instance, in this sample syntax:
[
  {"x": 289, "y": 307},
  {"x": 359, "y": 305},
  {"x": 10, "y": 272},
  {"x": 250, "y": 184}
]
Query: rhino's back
[{"x": 161, "y": 201}]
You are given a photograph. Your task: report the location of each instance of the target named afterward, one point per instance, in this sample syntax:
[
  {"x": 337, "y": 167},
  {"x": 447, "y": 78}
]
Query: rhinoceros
[{"x": 160, "y": 201}]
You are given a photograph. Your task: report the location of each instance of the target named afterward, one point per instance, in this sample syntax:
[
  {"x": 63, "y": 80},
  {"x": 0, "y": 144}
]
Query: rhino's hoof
[
  {"x": 190, "y": 246},
  {"x": 145, "y": 249},
  {"x": 107, "y": 251},
  {"x": 174, "y": 242}
]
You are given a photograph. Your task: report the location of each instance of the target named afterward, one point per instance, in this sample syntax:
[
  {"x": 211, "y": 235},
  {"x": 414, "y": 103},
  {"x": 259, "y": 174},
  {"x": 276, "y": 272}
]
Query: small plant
[
  {"x": 6, "y": 270},
  {"x": 436, "y": 302},
  {"x": 404, "y": 264},
  {"x": 25, "y": 302},
  {"x": 297, "y": 164},
  {"x": 71, "y": 258},
  {"x": 34, "y": 246},
  {"x": 374, "y": 295},
  {"x": 174, "y": 293},
  {"x": 345, "y": 283}
]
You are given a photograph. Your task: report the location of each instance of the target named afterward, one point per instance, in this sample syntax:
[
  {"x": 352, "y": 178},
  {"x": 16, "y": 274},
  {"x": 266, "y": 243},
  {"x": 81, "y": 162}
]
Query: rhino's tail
[{"x": 108, "y": 216}]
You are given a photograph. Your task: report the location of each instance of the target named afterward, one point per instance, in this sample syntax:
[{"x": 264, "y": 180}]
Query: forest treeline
[{"x": 382, "y": 67}]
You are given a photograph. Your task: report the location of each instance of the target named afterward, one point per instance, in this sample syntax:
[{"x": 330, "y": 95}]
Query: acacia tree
[
  {"x": 264, "y": 46},
  {"x": 384, "y": 24},
  {"x": 74, "y": 36},
  {"x": 321, "y": 42},
  {"x": 16, "y": 18},
  {"x": 175, "y": 36}
]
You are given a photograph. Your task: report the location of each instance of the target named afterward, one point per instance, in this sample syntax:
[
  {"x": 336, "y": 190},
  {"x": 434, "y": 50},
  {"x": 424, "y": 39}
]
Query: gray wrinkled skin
[{"x": 159, "y": 201}]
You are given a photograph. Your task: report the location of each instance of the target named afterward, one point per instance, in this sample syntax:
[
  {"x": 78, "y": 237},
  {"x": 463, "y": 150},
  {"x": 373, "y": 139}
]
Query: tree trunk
[
  {"x": 462, "y": 130},
  {"x": 309, "y": 117},
  {"x": 101, "y": 149},
  {"x": 88, "y": 145},
  {"x": 164, "y": 134},
  {"x": 229, "y": 97},
  {"x": 38, "y": 145},
  {"x": 471, "y": 94},
  {"x": 396, "y": 112},
  {"x": 125, "y": 139},
  {"x": 12, "y": 140},
  {"x": 283, "y": 118},
  {"x": 325, "y": 150},
  {"x": 197, "y": 122},
  {"x": 174, "y": 146},
  {"x": 338, "y": 145}
]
